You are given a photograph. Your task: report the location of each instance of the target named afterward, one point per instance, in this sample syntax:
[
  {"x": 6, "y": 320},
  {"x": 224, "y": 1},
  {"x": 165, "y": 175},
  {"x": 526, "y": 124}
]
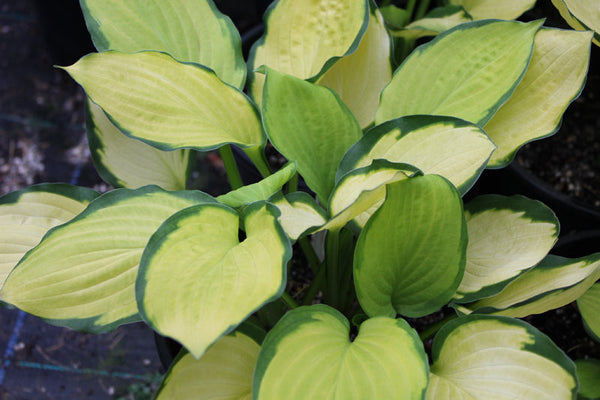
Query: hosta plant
[{"x": 387, "y": 152}]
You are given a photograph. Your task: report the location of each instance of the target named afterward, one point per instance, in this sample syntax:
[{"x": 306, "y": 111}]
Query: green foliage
[{"x": 385, "y": 236}]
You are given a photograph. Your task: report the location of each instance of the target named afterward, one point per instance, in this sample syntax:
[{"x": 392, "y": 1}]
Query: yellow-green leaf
[
  {"x": 589, "y": 307},
  {"x": 505, "y": 9},
  {"x": 581, "y": 15}
]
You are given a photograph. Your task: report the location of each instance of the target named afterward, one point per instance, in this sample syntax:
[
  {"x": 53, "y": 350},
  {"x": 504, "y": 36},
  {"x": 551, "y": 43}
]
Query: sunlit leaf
[
  {"x": 299, "y": 213},
  {"x": 505, "y": 9},
  {"x": 581, "y": 15},
  {"x": 435, "y": 22}
]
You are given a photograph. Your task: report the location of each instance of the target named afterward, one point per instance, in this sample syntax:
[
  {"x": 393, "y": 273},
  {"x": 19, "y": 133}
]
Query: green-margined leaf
[
  {"x": 168, "y": 104},
  {"x": 588, "y": 372},
  {"x": 554, "y": 78},
  {"x": 553, "y": 283},
  {"x": 125, "y": 162},
  {"x": 447, "y": 146},
  {"x": 197, "y": 281},
  {"x": 26, "y": 215},
  {"x": 360, "y": 77},
  {"x": 581, "y": 15},
  {"x": 498, "y": 358},
  {"x": 589, "y": 307},
  {"x": 359, "y": 193},
  {"x": 484, "y": 9},
  {"x": 305, "y": 38},
  {"x": 467, "y": 72},
  {"x": 224, "y": 372},
  {"x": 189, "y": 30},
  {"x": 299, "y": 213},
  {"x": 410, "y": 256},
  {"x": 507, "y": 236},
  {"x": 309, "y": 355},
  {"x": 261, "y": 190},
  {"x": 309, "y": 124},
  {"x": 437, "y": 21},
  {"x": 82, "y": 273}
]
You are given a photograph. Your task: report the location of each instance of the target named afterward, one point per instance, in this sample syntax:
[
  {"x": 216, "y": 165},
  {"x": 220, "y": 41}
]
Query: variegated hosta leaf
[
  {"x": 446, "y": 146},
  {"x": 299, "y": 213},
  {"x": 224, "y": 372},
  {"x": 484, "y": 9},
  {"x": 261, "y": 190},
  {"x": 498, "y": 358},
  {"x": 589, "y": 307},
  {"x": 359, "y": 193},
  {"x": 554, "y": 78},
  {"x": 360, "y": 77},
  {"x": 588, "y": 372},
  {"x": 168, "y": 104},
  {"x": 437, "y": 21},
  {"x": 581, "y": 15},
  {"x": 82, "y": 273},
  {"x": 553, "y": 283},
  {"x": 189, "y": 30},
  {"x": 308, "y": 355},
  {"x": 26, "y": 215},
  {"x": 507, "y": 235},
  {"x": 197, "y": 282},
  {"x": 125, "y": 162},
  {"x": 309, "y": 124},
  {"x": 410, "y": 256},
  {"x": 304, "y": 38},
  {"x": 467, "y": 72}
]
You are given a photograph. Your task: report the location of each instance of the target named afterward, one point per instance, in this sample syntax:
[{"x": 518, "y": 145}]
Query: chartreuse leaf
[
  {"x": 447, "y": 146},
  {"x": 435, "y": 22},
  {"x": 309, "y": 355},
  {"x": 359, "y": 193},
  {"x": 360, "y": 77},
  {"x": 497, "y": 358},
  {"x": 125, "y": 162},
  {"x": 555, "y": 77},
  {"x": 589, "y": 307},
  {"x": 224, "y": 372},
  {"x": 197, "y": 282},
  {"x": 305, "y": 38},
  {"x": 189, "y": 30},
  {"x": 410, "y": 256},
  {"x": 299, "y": 213},
  {"x": 309, "y": 124},
  {"x": 168, "y": 104},
  {"x": 581, "y": 15},
  {"x": 26, "y": 215},
  {"x": 588, "y": 372},
  {"x": 261, "y": 190},
  {"x": 484, "y": 9},
  {"x": 467, "y": 72},
  {"x": 553, "y": 283},
  {"x": 82, "y": 273},
  {"x": 507, "y": 236}
]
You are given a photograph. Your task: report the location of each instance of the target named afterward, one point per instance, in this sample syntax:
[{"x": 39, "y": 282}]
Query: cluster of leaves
[{"x": 388, "y": 151}]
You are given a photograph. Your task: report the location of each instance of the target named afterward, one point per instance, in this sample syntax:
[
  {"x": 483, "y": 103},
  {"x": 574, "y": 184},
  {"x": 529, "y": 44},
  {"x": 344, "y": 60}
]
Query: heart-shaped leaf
[
  {"x": 168, "y": 104},
  {"x": 360, "y": 77},
  {"x": 304, "y": 39},
  {"x": 197, "y": 282},
  {"x": 82, "y": 273},
  {"x": 189, "y": 30},
  {"x": 554, "y": 78},
  {"x": 581, "y": 15},
  {"x": 26, "y": 215},
  {"x": 553, "y": 283},
  {"x": 450, "y": 147},
  {"x": 410, "y": 256},
  {"x": 309, "y": 124},
  {"x": 309, "y": 355},
  {"x": 484, "y": 9},
  {"x": 467, "y": 72},
  {"x": 125, "y": 162},
  {"x": 496, "y": 358},
  {"x": 507, "y": 236},
  {"x": 589, "y": 307}
]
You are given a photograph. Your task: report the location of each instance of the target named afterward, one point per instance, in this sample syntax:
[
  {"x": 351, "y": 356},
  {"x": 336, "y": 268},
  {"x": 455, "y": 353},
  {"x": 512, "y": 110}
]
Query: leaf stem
[
  {"x": 432, "y": 330},
  {"x": 233, "y": 174},
  {"x": 314, "y": 287},
  {"x": 292, "y": 185},
  {"x": 258, "y": 157},
  {"x": 410, "y": 8},
  {"x": 422, "y": 10},
  {"x": 309, "y": 253},
  {"x": 289, "y": 300},
  {"x": 332, "y": 254}
]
